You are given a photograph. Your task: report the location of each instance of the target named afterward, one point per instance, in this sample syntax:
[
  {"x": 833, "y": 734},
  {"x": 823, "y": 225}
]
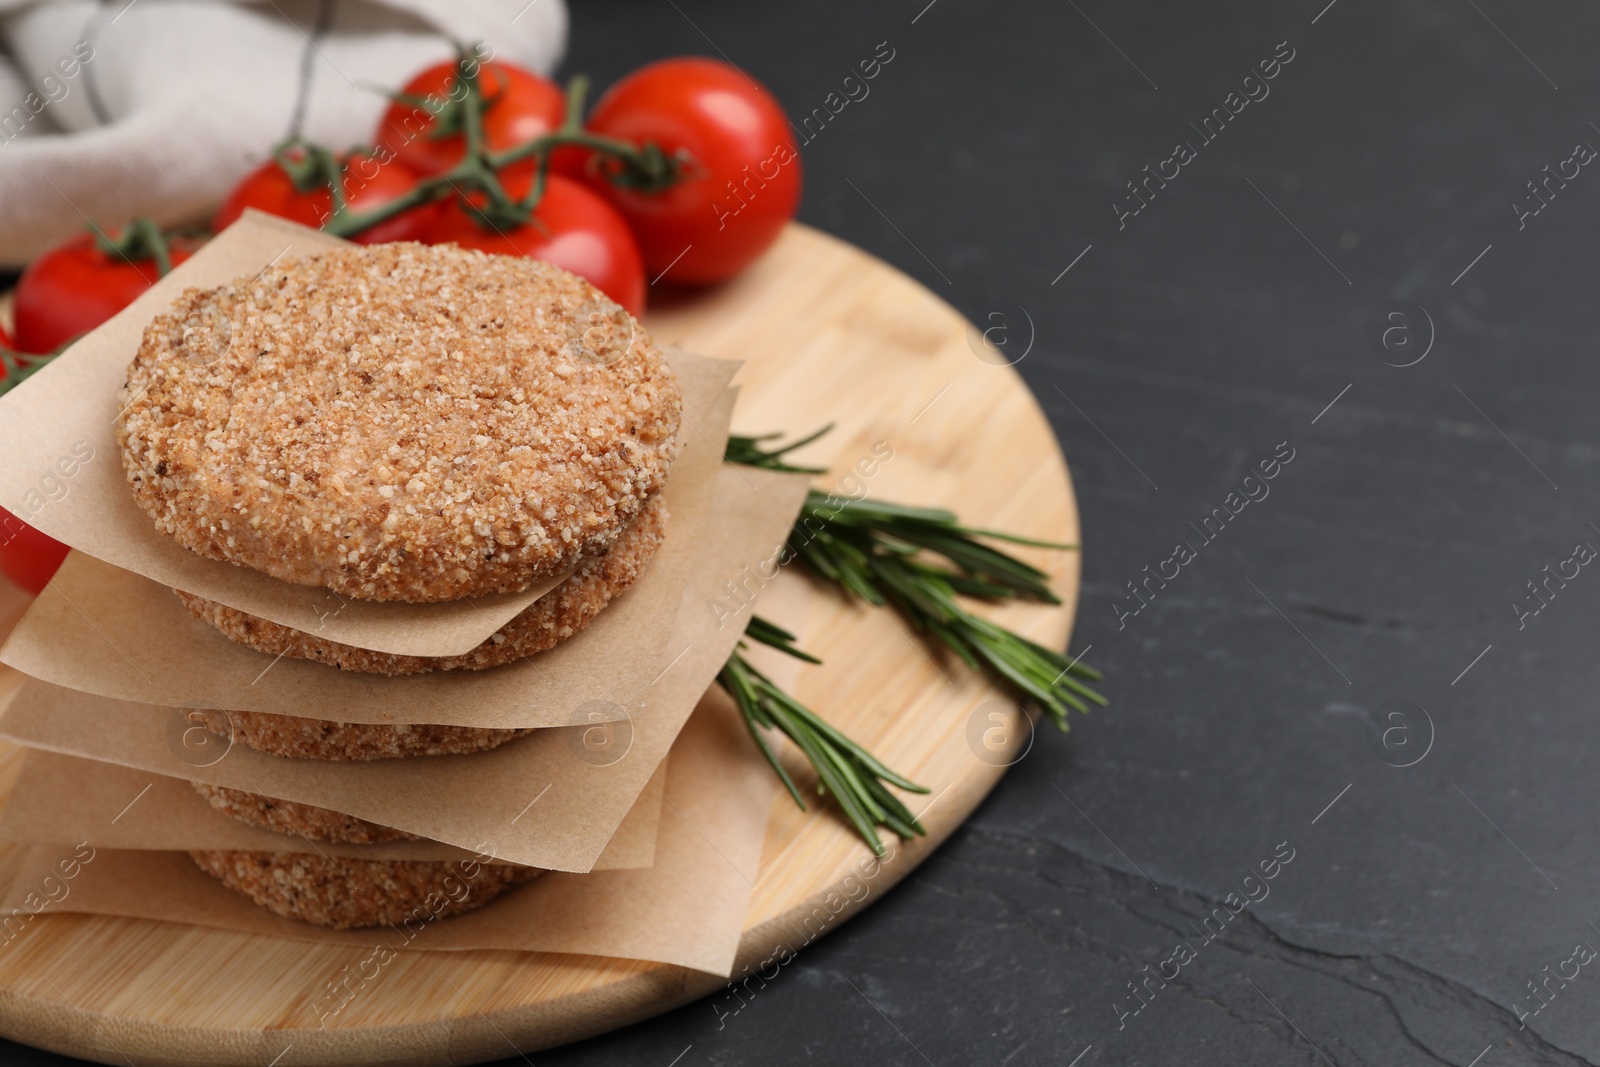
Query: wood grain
[{"x": 830, "y": 335}]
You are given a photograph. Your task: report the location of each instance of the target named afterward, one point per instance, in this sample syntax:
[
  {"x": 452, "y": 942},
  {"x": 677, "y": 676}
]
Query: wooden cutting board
[{"x": 830, "y": 335}]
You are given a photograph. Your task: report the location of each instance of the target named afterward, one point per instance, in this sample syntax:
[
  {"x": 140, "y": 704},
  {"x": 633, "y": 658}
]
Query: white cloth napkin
[{"x": 156, "y": 107}]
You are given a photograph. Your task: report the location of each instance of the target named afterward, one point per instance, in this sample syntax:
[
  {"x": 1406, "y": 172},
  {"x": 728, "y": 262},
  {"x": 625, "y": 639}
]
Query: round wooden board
[{"x": 830, "y": 335}]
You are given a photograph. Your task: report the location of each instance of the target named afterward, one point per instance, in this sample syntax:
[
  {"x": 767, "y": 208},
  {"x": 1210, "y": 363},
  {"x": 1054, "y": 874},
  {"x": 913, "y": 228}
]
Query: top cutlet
[{"x": 398, "y": 422}]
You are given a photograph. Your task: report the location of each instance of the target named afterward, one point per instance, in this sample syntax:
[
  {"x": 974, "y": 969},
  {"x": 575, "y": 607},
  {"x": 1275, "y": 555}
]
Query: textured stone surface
[{"x": 1196, "y": 339}]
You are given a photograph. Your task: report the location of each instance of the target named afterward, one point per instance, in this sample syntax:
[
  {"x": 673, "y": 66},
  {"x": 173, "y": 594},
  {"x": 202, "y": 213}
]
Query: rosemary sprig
[
  {"x": 881, "y": 552},
  {"x": 16, "y": 368},
  {"x": 854, "y": 777},
  {"x": 747, "y": 451}
]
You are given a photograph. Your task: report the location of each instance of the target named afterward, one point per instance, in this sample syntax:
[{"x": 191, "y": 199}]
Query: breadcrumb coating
[
  {"x": 347, "y": 742},
  {"x": 551, "y": 619},
  {"x": 398, "y": 422},
  {"x": 296, "y": 819},
  {"x": 345, "y": 893}
]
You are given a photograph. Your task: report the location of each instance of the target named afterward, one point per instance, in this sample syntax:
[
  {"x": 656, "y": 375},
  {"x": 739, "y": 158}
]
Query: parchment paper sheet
[
  {"x": 64, "y": 799},
  {"x": 687, "y": 909}
]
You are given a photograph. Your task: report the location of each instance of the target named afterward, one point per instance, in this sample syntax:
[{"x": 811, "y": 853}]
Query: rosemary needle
[{"x": 852, "y": 775}]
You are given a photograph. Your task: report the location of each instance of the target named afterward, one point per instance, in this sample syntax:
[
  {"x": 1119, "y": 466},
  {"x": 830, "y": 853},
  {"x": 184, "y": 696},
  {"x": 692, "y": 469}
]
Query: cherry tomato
[
  {"x": 522, "y": 105},
  {"x": 744, "y": 185},
  {"x": 74, "y": 287},
  {"x": 573, "y": 228},
  {"x": 27, "y": 557},
  {"x": 367, "y": 184}
]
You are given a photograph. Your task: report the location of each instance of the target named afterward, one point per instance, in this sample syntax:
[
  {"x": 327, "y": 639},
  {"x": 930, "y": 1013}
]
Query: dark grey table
[{"x": 1353, "y": 670}]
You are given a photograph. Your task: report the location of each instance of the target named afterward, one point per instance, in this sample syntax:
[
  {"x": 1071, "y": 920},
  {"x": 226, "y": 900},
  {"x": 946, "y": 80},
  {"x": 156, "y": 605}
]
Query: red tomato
[
  {"x": 74, "y": 287},
  {"x": 367, "y": 184},
  {"x": 572, "y": 227},
  {"x": 744, "y": 187},
  {"x": 10, "y": 346},
  {"x": 27, "y": 557},
  {"x": 522, "y": 105}
]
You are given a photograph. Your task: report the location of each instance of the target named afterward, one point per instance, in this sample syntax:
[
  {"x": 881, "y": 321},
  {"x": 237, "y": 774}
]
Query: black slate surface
[{"x": 1359, "y": 617}]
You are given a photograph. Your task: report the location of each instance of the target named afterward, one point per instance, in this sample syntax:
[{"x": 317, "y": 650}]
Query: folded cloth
[{"x": 119, "y": 108}]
